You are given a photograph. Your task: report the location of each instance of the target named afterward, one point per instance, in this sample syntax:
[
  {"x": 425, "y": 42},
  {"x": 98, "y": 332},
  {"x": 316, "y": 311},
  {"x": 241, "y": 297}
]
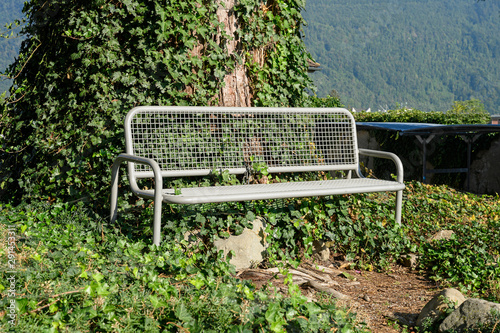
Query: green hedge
[{"x": 461, "y": 112}]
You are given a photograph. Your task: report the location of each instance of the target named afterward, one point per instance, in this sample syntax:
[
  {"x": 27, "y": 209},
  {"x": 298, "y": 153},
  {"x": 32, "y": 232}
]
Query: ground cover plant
[{"x": 75, "y": 272}]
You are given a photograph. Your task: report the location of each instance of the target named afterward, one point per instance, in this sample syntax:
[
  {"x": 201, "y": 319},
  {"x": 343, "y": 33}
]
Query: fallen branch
[
  {"x": 298, "y": 273},
  {"x": 320, "y": 287},
  {"x": 319, "y": 277},
  {"x": 57, "y": 300},
  {"x": 324, "y": 270},
  {"x": 273, "y": 273}
]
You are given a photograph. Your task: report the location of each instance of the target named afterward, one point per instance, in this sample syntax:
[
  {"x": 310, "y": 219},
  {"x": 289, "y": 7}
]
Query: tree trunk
[{"x": 236, "y": 90}]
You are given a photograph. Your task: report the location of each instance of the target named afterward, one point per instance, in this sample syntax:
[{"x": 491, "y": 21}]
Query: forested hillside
[
  {"x": 421, "y": 53},
  {"x": 378, "y": 53},
  {"x": 9, "y": 48}
]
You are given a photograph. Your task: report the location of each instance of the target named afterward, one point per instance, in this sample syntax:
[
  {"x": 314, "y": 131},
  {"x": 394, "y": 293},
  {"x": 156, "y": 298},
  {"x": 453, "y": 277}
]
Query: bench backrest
[{"x": 189, "y": 141}]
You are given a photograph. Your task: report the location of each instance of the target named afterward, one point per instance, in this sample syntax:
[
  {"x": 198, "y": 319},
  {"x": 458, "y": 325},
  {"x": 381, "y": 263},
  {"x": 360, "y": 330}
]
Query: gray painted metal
[
  {"x": 195, "y": 141},
  {"x": 208, "y": 194}
]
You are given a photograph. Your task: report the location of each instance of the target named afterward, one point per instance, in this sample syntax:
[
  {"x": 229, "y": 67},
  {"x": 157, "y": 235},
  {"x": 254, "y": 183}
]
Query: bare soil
[{"x": 386, "y": 301}]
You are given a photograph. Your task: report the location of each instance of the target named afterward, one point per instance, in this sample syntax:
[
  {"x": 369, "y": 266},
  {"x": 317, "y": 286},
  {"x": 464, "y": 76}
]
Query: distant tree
[
  {"x": 9, "y": 39},
  {"x": 471, "y": 111},
  {"x": 380, "y": 56}
]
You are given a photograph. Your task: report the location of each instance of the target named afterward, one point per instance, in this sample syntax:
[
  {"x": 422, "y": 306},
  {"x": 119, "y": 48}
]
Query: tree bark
[{"x": 236, "y": 89}]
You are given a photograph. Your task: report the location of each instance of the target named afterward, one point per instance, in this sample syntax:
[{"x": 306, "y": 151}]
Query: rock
[
  {"x": 321, "y": 251},
  {"x": 473, "y": 313},
  {"x": 436, "y": 308},
  {"x": 248, "y": 248},
  {"x": 409, "y": 260},
  {"x": 192, "y": 237},
  {"x": 440, "y": 235}
]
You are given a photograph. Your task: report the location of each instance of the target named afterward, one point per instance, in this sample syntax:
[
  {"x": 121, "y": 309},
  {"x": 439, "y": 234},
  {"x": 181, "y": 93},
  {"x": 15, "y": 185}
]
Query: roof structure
[
  {"x": 427, "y": 129},
  {"x": 425, "y": 133}
]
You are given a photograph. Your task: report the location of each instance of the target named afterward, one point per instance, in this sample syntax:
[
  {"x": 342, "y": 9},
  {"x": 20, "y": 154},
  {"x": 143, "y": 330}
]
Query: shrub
[{"x": 461, "y": 112}]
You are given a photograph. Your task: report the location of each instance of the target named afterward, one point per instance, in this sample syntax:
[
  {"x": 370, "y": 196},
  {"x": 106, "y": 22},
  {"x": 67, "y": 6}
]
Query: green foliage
[
  {"x": 85, "y": 65},
  {"x": 469, "y": 260},
  {"x": 461, "y": 112},
  {"x": 423, "y": 54},
  {"x": 469, "y": 112},
  {"x": 271, "y": 32},
  {"x": 77, "y": 272},
  {"x": 325, "y": 102},
  {"x": 463, "y": 260},
  {"x": 83, "y": 274}
]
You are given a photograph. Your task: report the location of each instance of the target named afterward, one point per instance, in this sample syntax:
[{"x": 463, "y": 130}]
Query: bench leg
[
  {"x": 399, "y": 204},
  {"x": 158, "y": 198},
  {"x": 114, "y": 190},
  {"x": 157, "y": 220},
  {"x": 157, "y": 210}
]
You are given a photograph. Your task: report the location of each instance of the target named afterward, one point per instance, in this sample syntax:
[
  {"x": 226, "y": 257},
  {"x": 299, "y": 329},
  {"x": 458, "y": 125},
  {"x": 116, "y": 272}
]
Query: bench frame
[{"x": 144, "y": 142}]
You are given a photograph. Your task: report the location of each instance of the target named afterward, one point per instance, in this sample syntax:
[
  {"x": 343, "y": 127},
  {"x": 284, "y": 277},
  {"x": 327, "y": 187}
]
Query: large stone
[
  {"x": 471, "y": 314},
  {"x": 441, "y": 235},
  {"x": 248, "y": 248},
  {"x": 321, "y": 251},
  {"x": 436, "y": 308}
]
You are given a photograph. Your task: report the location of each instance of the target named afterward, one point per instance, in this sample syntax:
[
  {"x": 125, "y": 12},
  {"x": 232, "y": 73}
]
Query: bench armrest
[
  {"x": 139, "y": 160},
  {"x": 399, "y": 172},
  {"x": 386, "y": 155},
  {"x": 158, "y": 185}
]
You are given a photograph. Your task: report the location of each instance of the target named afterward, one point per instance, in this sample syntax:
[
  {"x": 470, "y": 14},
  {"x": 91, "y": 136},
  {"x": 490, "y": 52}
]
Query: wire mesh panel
[{"x": 197, "y": 140}]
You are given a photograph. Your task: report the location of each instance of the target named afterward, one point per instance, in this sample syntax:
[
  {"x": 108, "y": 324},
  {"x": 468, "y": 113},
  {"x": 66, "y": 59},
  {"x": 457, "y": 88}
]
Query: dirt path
[{"x": 378, "y": 299}]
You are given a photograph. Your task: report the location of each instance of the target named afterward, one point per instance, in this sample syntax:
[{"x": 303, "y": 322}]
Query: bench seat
[{"x": 209, "y": 194}]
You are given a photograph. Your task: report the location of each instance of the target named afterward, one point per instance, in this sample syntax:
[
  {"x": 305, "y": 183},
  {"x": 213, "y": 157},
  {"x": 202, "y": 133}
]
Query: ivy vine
[{"x": 83, "y": 65}]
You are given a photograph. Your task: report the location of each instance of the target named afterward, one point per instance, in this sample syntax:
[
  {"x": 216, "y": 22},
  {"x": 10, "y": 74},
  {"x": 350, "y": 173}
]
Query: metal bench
[{"x": 195, "y": 141}]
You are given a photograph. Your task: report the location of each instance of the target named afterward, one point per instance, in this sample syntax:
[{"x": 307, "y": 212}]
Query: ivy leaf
[
  {"x": 198, "y": 282},
  {"x": 73, "y": 271},
  {"x": 156, "y": 302},
  {"x": 250, "y": 216},
  {"x": 182, "y": 312},
  {"x": 97, "y": 277}
]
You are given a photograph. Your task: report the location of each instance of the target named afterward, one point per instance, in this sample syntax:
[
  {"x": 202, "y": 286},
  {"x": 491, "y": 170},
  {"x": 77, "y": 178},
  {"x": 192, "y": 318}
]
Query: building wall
[{"x": 484, "y": 171}]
